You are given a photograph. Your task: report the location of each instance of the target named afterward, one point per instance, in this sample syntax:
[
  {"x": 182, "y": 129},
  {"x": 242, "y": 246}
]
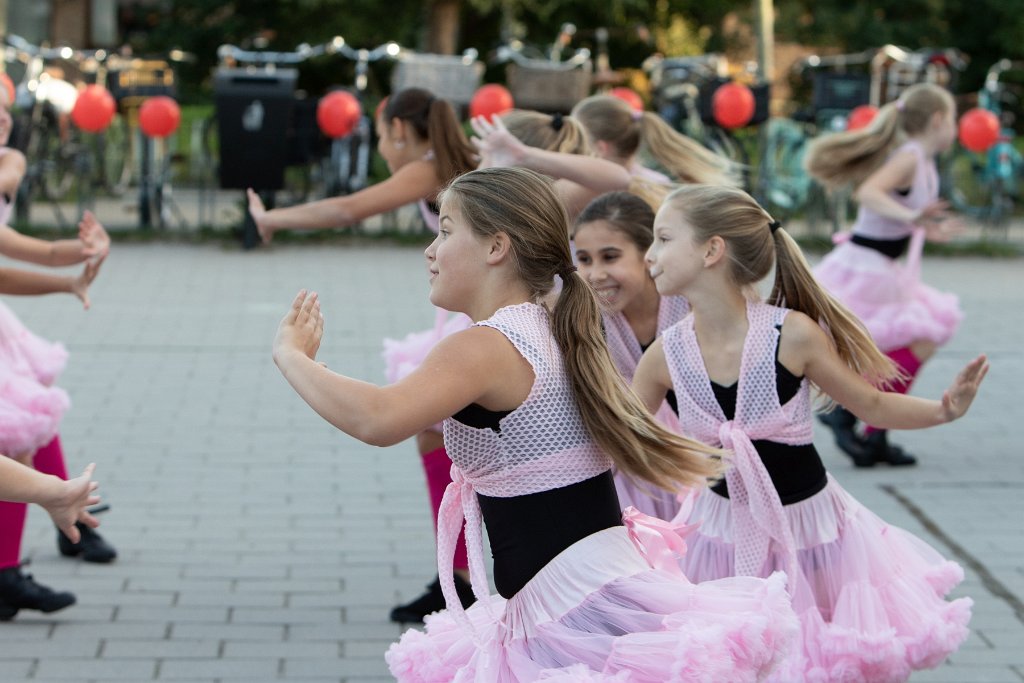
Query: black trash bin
[{"x": 254, "y": 112}]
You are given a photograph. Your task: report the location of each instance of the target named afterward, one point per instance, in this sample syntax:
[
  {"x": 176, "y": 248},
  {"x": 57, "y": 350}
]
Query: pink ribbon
[{"x": 661, "y": 543}]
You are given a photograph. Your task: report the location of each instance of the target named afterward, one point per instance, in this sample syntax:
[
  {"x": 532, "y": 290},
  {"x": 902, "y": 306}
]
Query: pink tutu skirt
[
  {"x": 30, "y": 413},
  {"x": 889, "y": 297},
  {"x": 598, "y": 612},
  {"x": 22, "y": 352},
  {"x": 646, "y": 498},
  {"x": 871, "y": 600}
]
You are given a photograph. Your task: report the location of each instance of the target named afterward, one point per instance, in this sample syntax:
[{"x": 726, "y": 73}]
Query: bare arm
[
  {"x": 92, "y": 241},
  {"x": 12, "y": 170},
  {"x": 652, "y": 380},
  {"x": 30, "y": 283},
  {"x": 478, "y": 365},
  {"x": 806, "y": 349},
  {"x": 64, "y": 500},
  {"x": 414, "y": 181}
]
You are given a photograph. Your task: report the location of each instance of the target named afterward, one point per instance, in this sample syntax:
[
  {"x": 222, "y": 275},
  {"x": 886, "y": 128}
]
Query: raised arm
[
  {"x": 12, "y": 170},
  {"x": 412, "y": 182},
  {"x": 806, "y": 349},
  {"x": 66, "y": 501},
  {"x": 652, "y": 381},
  {"x": 92, "y": 241},
  {"x": 477, "y": 365}
]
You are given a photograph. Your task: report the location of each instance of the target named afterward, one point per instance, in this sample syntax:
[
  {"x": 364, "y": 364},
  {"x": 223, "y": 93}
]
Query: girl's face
[
  {"x": 612, "y": 264},
  {"x": 391, "y": 148},
  {"x": 456, "y": 260},
  {"x": 945, "y": 129},
  {"x": 675, "y": 260}
]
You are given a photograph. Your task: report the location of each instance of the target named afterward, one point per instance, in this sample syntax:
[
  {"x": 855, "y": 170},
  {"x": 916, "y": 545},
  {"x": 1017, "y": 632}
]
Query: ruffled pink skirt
[
  {"x": 871, "y": 603},
  {"x": 24, "y": 353},
  {"x": 895, "y": 306},
  {"x": 646, "y": 498},
  {"x": 598, "y": 612}
]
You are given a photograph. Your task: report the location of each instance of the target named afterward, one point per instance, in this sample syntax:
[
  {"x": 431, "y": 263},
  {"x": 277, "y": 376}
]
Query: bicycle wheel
[
  {"x": 968, "y": 186},
  {"x": 55, "y": 155},
  {"x": 782, "y": 183}
]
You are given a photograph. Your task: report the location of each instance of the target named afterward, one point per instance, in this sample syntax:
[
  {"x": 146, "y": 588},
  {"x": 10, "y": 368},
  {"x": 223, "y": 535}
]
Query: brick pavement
[{"x": 258, "y": 544}]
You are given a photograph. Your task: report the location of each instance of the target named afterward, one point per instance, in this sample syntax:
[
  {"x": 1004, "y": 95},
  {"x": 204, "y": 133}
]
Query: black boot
[
  {"x": 431, "y": 601},
  {"x": 842, "y": 422},
  {"x": 92, "y": 547},
  {"x": 877, "y": 443},
  {"x": 20, "y": 591}
]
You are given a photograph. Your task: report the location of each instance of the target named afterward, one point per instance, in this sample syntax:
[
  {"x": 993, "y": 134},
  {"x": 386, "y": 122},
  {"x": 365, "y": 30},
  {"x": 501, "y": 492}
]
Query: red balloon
[
  {"x": 979, "y": 129},
  {"x": 8, "y": 85},
  {"x": 337, "y": 113},
  {"x": 159, "y": 116},
  {"x": 629, "y": 96},
  {"x": 733, "y": 105},
  {"x": 94, "y": 109},
  {"x": 861, "y": 117},
  {"x": 490, "y": 100}
]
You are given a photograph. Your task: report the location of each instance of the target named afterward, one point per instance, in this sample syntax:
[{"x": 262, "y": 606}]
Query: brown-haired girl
[
  {"x": 892, "y": 166},
  {"x": 611, "y": 236},
  {"x": 870, "y": 596},
  {"x": 537, "y": 416}
]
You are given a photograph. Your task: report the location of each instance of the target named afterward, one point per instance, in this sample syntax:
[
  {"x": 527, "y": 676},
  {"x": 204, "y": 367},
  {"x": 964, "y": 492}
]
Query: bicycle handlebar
[
  {"x": 998, "y": 69},
  {"x": 336, "y": 45},
  {"x": 508, "y": 53}
]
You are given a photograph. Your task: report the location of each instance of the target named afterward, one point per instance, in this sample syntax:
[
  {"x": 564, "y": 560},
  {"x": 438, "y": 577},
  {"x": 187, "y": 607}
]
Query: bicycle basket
[
  {"x": 447, "y": 76},
  {"x": 548, "y": 87},
  {"x": 145, "y": 78}
]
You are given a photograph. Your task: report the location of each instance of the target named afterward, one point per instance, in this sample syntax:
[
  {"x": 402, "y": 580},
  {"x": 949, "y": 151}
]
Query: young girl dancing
[
  {"x": 611, "y": 237},
  {"x": 540, "y": 415},
  {"x": 892, "y": 166},
  {"x": 869, "y": 595},
  {"x": 619, "y": 133}
]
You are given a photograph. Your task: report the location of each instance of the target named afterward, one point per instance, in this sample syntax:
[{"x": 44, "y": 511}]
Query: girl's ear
[
  {"x": 500, "y": 248},
  {"x": 602, "y": 148},
  {"x": 714, "y": 251}
]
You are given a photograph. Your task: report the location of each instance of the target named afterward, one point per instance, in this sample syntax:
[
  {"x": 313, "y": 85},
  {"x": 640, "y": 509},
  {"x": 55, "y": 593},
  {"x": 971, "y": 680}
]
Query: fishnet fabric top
[
  {"x": 924, "y": 189},
  {"x": 625, "y": 348},
  {"x": 543, "y": 445},
  {"x": 758, "y": 518}
]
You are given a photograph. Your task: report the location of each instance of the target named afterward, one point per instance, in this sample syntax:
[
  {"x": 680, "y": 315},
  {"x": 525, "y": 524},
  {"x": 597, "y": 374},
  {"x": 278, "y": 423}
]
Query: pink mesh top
[
  {"x": 543, "y": 444},
  {"x": 923, "y": 191},
  {"x": 758, "y": 517},
  {"x": 626, "y": 351}
]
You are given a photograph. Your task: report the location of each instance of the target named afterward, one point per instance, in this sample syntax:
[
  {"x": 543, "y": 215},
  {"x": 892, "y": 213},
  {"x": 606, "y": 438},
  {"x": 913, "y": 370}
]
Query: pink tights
[
  {"x": 437, "y": 466},
  {"x": 910, "y": 365},
  {"x": 49, "y": 460}
]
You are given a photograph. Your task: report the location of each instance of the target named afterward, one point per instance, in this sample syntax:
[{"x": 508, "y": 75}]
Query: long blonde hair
[
  {"x": 850, "y": 157},
  {"x": 612, "y": 120},
  {"x": 553, "y": 133},
  {"x": 523, "y": 205},
  {"x": 754, "y": 247}
]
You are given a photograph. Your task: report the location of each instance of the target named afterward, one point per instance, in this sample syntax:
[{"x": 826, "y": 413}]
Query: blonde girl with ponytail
[
  {"x": 537, "y": 416},
  {"x": 870, "y": 597},
  {"x": 891, "y": 166},
  {"x": 619, "y": 133}
]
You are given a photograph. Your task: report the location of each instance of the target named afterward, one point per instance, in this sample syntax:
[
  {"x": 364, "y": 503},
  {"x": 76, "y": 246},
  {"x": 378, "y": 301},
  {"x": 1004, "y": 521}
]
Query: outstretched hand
[
  {"x": 302, "y": 327},
  {"x": 940, "y": 224},
  {"x": 259, "y": 216},
  {"x": 80, "y": 284},
  {"x": 93, "y": 236},
  {"x": 71, "y": 504},
  {"x": 958, "y": 397},
  {"x": 497, "y": 146}
]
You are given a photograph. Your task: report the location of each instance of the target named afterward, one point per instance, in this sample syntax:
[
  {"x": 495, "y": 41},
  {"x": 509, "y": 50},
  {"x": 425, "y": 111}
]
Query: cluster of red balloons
[
  {"x": 490, "y": 100},
  {"x": 732, "y": 105},
  {"x": 861, "y": 117},
  {"x": 978, "y": 129},
  {"x": 94, "y": 109},
  {"x": 337, "y": 113}
]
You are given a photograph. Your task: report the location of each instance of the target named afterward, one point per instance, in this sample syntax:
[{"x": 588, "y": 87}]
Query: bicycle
[{"x": 985, "y": 185}]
